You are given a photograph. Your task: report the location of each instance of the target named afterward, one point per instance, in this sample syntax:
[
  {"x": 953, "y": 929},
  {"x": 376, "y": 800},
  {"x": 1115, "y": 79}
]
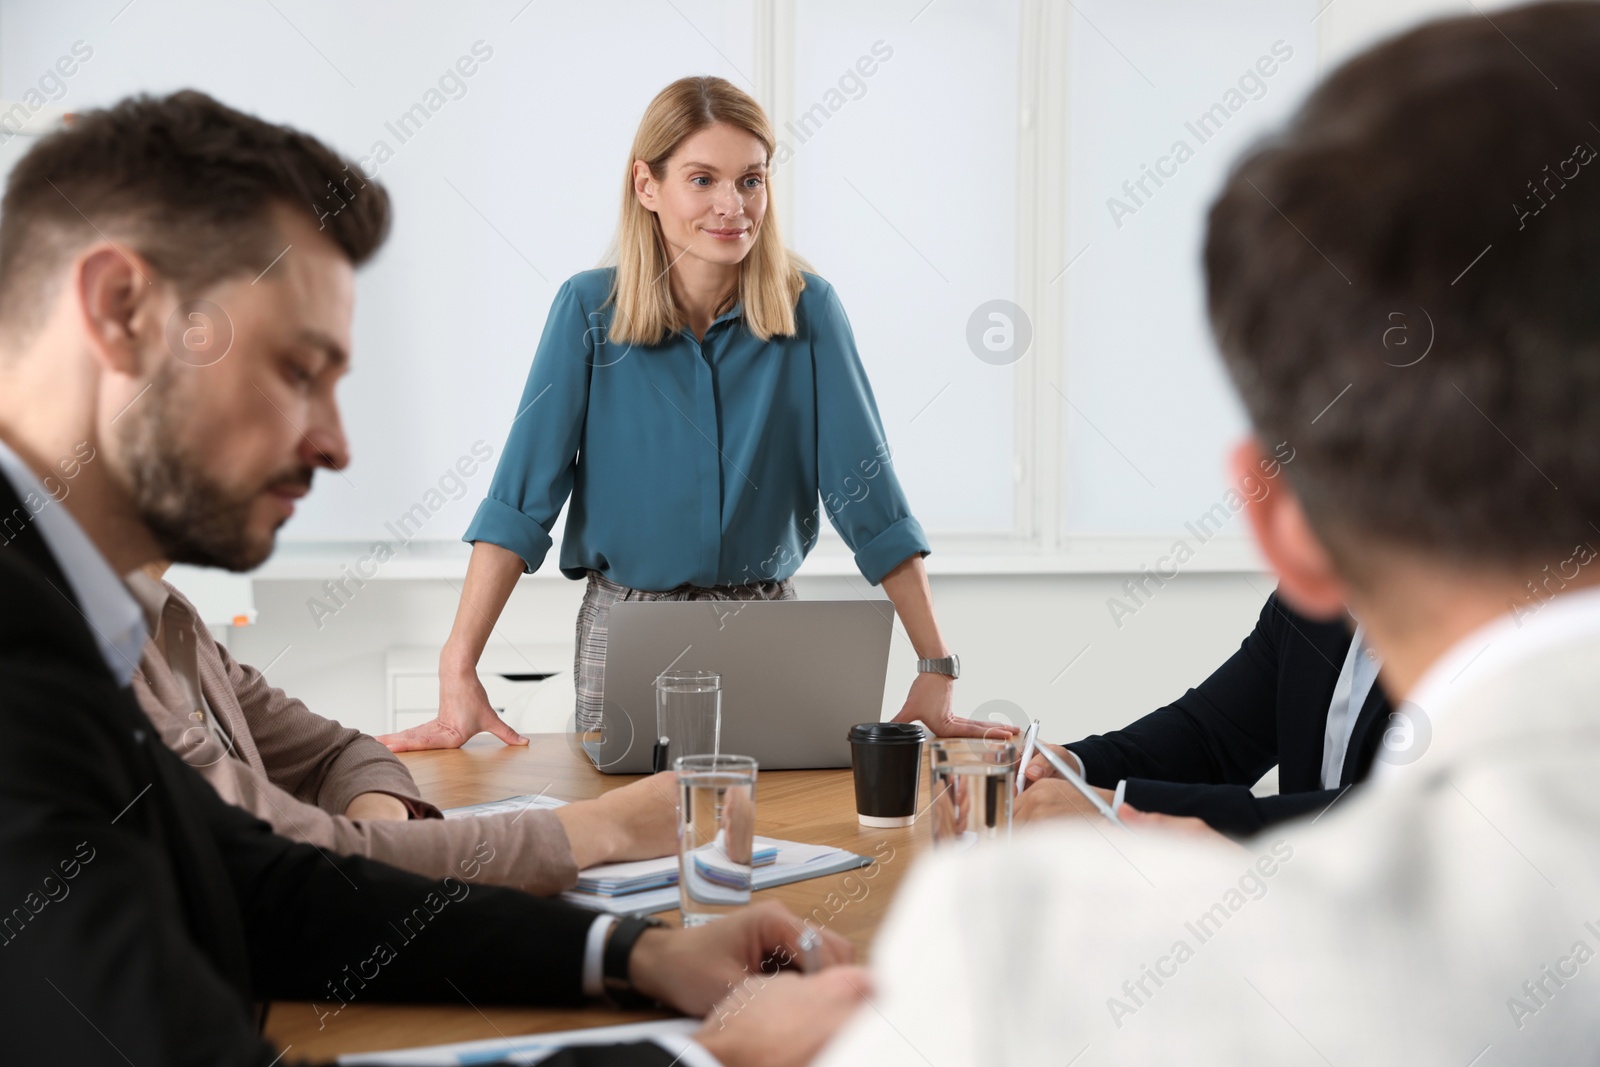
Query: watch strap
[
  {"x": 614, "y": 961},
  {"x": 950, "y": 665}
]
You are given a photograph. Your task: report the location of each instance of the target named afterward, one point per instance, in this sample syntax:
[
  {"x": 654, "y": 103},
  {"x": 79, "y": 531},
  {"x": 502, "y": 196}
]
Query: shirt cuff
[
  {"x": 594, "y": 948},
  {"x": 691, "y": 1053},
  {"x": 364, "y": 766},
  {"x": 1122, "y": 792},
  {"x": 501, "y": 524},
  {"x": 889, "y": 549},
  {"x": 1083, "y": 772},
  {"x": 419, "y": 809}
]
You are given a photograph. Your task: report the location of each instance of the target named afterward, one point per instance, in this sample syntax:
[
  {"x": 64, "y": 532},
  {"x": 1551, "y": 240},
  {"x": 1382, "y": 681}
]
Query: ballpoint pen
[
  {"x": 1081, "y": 786},
  {"x": 1028, "y": 740}
]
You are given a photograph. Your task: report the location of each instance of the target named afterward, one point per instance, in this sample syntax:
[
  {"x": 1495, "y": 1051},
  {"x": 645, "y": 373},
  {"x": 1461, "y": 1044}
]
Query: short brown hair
[
  {"x": 1444, "y": 178},
  {"x": 186, "y": 180}
]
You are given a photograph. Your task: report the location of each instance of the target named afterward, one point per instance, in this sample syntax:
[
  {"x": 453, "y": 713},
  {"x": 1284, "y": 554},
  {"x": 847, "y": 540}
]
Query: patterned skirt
[{"x": 589, "y": 659}]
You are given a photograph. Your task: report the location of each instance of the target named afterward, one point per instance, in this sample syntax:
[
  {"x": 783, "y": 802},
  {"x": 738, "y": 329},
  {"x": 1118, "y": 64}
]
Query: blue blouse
[{"x": 696, "y": 462}]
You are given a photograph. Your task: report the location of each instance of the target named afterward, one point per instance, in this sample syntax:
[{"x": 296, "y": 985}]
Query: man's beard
[{"x": 193, "y": 518}]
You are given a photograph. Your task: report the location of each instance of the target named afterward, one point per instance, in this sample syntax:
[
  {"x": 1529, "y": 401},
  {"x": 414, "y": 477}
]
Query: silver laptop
[{"x": 796, "y": 675}]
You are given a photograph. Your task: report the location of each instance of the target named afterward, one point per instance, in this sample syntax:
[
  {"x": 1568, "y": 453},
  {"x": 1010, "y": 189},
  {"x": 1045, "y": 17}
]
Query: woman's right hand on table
[{"x": 464, "y": 712}]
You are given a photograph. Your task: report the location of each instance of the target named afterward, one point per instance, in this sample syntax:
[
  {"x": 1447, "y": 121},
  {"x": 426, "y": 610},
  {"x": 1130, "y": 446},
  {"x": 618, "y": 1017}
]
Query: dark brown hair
[
  {"x": 1447, "y": 177},
  {"x": 187, "y": 181}
]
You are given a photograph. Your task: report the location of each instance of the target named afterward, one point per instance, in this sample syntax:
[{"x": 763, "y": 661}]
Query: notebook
[
  {"x": 618, "y": 879},
  {"x": 671, "y": 1034},
  {"x": 641, "y": 887},
  {"x": 793, "y": 862}
]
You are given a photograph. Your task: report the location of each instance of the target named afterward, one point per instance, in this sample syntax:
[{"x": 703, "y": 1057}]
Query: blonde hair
[{"x": 769, "y": 276}]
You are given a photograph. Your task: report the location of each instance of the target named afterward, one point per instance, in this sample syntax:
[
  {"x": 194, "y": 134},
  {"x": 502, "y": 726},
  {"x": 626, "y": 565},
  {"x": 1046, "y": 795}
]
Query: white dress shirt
[
  {"x": 1569, "y": 619},
  {"x": 1494, "y": 648},
  {"x": 1356, "y": 679},
  {"x": 102, "y": 599}
]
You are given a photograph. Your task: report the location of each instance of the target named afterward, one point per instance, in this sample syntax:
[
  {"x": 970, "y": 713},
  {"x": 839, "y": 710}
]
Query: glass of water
[
  {"x": 971, "y": 782},
  {"x": 716, "y": 834},
  {"x": 688, "y": 716}
]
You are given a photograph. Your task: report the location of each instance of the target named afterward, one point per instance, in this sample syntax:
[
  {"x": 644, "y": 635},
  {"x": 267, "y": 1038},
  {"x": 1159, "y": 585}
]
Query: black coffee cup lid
[{"x": 886, "y": 733}]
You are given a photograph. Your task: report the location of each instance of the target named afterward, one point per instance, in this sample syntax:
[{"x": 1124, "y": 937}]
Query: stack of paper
[
  {"x": 645, "y": 886},
  {"x": 619, "y": 879},
  {"x": 794, "y": 862}
]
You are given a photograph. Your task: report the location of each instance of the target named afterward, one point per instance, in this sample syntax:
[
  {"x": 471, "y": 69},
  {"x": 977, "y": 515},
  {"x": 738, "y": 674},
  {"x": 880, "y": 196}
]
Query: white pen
[
  {"x": 1028, "y": 740},
  {"x": 810, "y": 943},
  {"x": 1080, "y": 785}
]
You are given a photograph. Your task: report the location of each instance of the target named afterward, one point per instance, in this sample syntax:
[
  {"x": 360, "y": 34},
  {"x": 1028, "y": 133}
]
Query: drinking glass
[
  {"x": 971, "y": 782},
  {"x": 688, "y": 716},
  {"x": 716, "y": 834}
]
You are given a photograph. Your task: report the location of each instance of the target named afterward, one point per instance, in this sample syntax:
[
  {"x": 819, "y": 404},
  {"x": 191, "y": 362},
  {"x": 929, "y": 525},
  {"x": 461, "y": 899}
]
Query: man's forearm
[{"x": 591, "y": 835}]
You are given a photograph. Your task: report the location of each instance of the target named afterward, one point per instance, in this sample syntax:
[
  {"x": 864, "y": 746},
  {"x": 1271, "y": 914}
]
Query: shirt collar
[
  {"x": 1521, "y": 634},
  {"x": 1368, "y": 663},
  {"x": 732, "y": 313},
  {"x": 102, "y": 599}
]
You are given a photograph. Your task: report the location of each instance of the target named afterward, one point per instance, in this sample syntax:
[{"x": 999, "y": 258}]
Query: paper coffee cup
[{"x": 887, "y": 759}]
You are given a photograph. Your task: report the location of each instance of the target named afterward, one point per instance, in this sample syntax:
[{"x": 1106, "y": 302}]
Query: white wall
[{"x": 1016, "y": 636}]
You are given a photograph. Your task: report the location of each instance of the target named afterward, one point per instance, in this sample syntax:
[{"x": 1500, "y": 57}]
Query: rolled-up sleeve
[
  {"x": 537, "y": 466},
  {"x": 855, "y": 473}
]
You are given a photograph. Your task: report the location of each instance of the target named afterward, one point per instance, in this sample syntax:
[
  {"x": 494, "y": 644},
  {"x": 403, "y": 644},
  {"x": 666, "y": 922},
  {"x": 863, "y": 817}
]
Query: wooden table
[{"x": 817, "y": 807}]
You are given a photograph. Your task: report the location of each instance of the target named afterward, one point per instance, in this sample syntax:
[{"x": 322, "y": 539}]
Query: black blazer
[
  {"x": 140, "y": 916},
  {"x": 1268, "y": 704}
]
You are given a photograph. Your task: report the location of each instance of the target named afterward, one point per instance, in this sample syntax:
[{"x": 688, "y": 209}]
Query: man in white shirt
[{"x": 1449, "y": 912}]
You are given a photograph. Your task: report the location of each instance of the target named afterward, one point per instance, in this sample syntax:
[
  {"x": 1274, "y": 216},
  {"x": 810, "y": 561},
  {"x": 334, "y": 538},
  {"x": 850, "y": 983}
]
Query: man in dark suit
[
  {"x": 1300, "y": 693},
  {"x": 175, "y": 306}
]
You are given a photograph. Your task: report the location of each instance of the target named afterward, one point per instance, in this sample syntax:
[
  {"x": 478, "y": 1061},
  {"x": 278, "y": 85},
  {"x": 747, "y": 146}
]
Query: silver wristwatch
[{"x": 950, "y": 665}]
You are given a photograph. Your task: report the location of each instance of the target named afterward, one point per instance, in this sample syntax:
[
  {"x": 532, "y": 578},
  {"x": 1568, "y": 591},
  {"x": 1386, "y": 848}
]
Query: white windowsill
[{"x": 952, "y": 555}]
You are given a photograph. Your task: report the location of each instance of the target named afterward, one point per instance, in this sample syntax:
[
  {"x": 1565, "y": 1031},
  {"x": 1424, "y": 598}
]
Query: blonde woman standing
[{"x": 696, "y": 401}]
